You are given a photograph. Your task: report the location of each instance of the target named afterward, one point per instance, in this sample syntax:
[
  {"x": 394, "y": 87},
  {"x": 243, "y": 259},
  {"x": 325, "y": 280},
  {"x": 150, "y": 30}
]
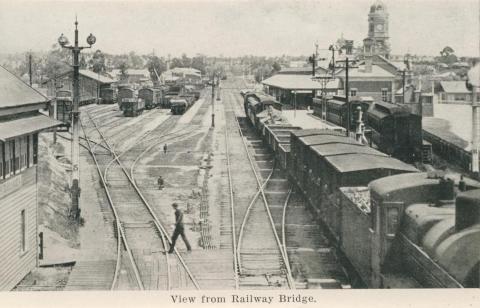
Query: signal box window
[
  {"x": 353, "y": 92},
  {"x": 384, "y": 95}
]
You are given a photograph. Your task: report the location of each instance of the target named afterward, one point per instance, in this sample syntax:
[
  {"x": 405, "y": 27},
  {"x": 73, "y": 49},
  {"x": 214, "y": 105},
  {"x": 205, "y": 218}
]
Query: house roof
[
  {"x": 297, "y": 82},
  {"x": 454, "y": 86},
  {"x": 15, "y": 92},
  {"x": 359, "y": 72},
  {"x": 26, "y": 125},
  {"x": 89, "y": 74},
  {"x": 291, "y": 70}
]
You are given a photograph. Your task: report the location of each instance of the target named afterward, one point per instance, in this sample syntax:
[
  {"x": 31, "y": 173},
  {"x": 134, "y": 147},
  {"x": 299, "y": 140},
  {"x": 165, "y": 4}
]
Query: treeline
[{"x": 57, "y": 61}]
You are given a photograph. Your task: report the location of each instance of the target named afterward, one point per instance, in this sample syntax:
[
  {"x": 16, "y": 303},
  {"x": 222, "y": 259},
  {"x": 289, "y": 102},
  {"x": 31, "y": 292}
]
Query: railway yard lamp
[{"x": 75, "y": 184}]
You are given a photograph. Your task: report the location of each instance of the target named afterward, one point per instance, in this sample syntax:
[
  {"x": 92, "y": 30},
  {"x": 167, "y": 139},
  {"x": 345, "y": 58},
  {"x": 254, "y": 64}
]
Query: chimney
[
  {"x": 368, "y": 63},
  {"x": 467, "y": 209}
]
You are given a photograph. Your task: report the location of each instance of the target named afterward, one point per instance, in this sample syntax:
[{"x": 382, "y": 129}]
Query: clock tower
[{"x": 378, "y": 29}]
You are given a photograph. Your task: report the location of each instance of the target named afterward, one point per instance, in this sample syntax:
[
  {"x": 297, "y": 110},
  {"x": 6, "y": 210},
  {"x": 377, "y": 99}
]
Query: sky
[{"x": 241, "y": 27}]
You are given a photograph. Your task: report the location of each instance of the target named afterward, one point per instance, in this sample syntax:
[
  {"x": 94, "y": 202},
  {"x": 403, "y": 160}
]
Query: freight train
[
  {"x": 133, "y": 107},
  {"x": 397, "y": 227}
]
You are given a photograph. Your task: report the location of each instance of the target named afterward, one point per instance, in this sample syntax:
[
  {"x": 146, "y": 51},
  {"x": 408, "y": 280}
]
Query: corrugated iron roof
[
  {"x": 97, "y": 77},
  {"x": 455, "y": 87},
  {"x": 24, "y": 126},
  {"x": 15, "y": 92},
  {"x": 293, "y": 82}
]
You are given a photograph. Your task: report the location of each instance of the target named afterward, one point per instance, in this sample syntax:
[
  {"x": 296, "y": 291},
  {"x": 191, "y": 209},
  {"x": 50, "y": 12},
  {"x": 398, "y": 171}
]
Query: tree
[
  {"x": 156, "y": 66},
  {"x": 57, "y": 61},
  {"x": 447, "y": 56},
  {"x": 123, "y": 71},
  {"x": 97, "y": 62},
  {"x": 134, "y": 61}
]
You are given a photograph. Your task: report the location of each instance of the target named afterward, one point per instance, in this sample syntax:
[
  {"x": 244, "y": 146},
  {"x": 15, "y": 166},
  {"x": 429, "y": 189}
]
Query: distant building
[
  {"x": 453, "y": 92},
  {"x": 182, "y": 74},
  {"x": 139, "y": 76},
  {"x": 90, "y": 84},
  {"x": 297, "y": 90},
  {"x": 20, "y": 124}
]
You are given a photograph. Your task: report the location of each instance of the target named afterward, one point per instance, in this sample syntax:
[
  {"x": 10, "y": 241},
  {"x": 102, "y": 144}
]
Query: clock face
[{"x": 379, "y": 27}]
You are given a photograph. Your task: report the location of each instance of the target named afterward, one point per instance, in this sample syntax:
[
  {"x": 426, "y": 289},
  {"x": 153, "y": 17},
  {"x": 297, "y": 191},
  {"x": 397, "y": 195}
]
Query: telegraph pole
[
  {"x": 213, "y": 101},
  {"x": 30, "y": 67},
  {"x": 346, "y": 97},
  {"x": 75, "y": 188},
  {"x": 403, "y": 86}
]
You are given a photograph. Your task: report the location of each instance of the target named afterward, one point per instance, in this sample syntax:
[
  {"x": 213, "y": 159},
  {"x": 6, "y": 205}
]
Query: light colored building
[
  {"x": 453, "y": 92},
  {"x": 20, "y": 124}
]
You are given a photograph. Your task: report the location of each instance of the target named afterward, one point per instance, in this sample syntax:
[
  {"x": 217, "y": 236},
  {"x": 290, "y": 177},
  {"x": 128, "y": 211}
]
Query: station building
[
  {"x": 90, "y": 84},
  {"x": 20, "y": 124}
]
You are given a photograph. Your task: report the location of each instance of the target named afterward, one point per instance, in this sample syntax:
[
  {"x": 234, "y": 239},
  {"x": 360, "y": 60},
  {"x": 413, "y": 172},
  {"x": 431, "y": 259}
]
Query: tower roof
[{"x": 378, "y": 6}]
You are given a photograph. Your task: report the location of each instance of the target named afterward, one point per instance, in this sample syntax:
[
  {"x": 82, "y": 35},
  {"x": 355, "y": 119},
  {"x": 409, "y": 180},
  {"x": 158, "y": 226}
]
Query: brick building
[{"x": 20, "y": 124}]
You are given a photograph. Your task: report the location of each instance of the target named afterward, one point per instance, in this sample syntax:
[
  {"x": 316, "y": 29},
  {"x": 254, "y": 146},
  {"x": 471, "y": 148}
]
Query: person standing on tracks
[
  {"x": 165, "y": 148},
  {"x": 160, "y": 182},
  {"x": 179, "y": 229}
]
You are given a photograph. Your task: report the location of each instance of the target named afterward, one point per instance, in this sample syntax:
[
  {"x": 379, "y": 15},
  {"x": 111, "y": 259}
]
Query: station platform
[{"x": 306, "y": 120}]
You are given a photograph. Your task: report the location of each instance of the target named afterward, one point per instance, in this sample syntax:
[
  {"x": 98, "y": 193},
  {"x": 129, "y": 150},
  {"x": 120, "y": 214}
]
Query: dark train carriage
[
  {"x": 336, "y": 110},
  {"x": 125, "y": 92},
  {"x": 132, "y": 107},
  {"x": 179, "y": 106},
  {"x": 107, "y": 95},
  {"x": 395, "y": 131},
  {"x": 151, "y": 96}
]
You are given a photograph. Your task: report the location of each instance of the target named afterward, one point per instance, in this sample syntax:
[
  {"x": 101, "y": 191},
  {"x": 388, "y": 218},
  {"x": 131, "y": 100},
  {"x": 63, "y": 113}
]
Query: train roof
[
  {"x": 326, "y": 138},
  {"x": 382, "y": 109},
  {"x": 314, "y": 131},
  {"x": 358, "y": 162},
  {"x": 330, "y": 149},
  {"x": 397, "y": 182}
]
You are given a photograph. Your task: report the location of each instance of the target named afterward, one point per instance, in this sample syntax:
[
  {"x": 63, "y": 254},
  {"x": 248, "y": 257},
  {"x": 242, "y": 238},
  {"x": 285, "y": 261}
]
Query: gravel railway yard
[{"x": 239, "y": 207}]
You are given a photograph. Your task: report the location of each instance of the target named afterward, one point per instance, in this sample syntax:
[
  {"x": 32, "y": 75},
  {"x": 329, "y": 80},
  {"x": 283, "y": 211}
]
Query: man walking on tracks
[
  {"x": 179, "y": 229},
  {"x": 165, "y": 149}
]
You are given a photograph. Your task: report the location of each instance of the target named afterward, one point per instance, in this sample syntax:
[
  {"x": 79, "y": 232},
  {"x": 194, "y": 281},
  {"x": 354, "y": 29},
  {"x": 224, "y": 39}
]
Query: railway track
[
  {"x": 139, "y": 230},
  {"x": 312, "y": 259},
  {"x": 260, "y": 256}
]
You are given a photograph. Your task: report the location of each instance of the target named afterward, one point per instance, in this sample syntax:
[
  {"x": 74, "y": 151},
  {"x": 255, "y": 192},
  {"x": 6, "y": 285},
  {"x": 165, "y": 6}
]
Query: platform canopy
[
  {"x": 293, "y": 82},
  {"x": 24, "y": 126}
]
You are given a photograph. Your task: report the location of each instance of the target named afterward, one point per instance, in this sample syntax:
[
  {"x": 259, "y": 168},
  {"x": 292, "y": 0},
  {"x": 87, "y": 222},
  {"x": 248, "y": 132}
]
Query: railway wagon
[
  {"x": 278, "y": 134},
  {"x": 107, "y": 95},
  {"x": 132, "y": 107},
  {"x": 64, "y": 107},
  {"x": 179, "y": 105},
  {"x": 125, "y": 92},
  {"x": 395, "y": 131},
  {"x": 151, "y": 96},
  {"x": 298, "y": 148}
]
